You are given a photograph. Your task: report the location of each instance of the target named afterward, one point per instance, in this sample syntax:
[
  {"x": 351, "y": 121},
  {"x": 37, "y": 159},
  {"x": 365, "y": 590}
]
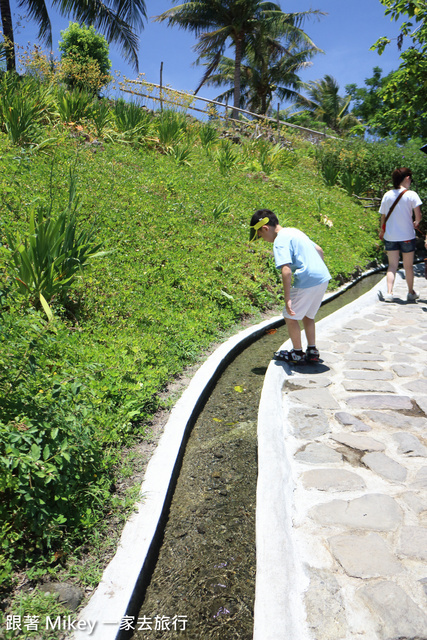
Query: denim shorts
[{"x": 405, "y": 246}]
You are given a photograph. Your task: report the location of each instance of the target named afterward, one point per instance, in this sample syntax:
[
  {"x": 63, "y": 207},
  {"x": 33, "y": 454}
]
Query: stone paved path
[{"x": 357, "y": 439}]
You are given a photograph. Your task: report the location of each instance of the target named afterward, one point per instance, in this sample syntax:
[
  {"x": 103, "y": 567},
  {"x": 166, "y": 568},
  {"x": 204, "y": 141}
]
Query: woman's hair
[
  {"x": 265, "y": 213},
  {"x": 399, "y": 175}
]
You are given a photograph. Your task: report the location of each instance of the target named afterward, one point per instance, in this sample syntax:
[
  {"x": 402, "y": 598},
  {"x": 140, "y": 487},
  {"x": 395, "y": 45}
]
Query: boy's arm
[
  {"x": 319, "y": 251},
  {"x": 287, "y": 281}
]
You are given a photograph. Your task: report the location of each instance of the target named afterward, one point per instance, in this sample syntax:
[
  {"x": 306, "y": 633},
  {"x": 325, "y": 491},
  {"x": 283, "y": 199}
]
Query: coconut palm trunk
[
  {"x": 237, "y": 73},
  {"x": 7, "y": 27}
]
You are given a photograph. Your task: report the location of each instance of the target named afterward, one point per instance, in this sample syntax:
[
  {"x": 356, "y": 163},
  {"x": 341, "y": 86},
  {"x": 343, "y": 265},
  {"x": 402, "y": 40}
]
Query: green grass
[{"x": 179, "y": 273}]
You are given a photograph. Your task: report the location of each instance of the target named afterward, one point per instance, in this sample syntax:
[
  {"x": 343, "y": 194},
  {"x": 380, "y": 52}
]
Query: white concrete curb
[
  {"x": 115, "y": 596},
  {"x": 280, "y": 579}
]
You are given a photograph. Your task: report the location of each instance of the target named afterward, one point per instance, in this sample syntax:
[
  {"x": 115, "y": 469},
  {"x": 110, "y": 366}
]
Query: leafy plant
[
  {"x": 74, "y": 106},
  {"x": 181, "y": 153},
  {"x": 132, "y": 121},
  {"x": 226, "y": 157},
  {"x": 25, "y": 105},
  {"x": 171, "y": 127},
  {"x": 329, "y": 173},
  {"x": 101, "y": 116},
  {"x": 352, "y": 183},
  {"x": 47, "y": 262},
  {"x": 220, "y": 210},
  {"x": 208, "y": 136}
]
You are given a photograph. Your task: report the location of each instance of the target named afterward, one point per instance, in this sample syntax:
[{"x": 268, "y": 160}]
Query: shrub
[
  {"x": 85, "y": 62},
  {"x": 50, "y": 457}
]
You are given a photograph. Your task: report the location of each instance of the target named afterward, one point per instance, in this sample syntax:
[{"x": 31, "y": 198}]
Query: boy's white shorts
[{"x": 306, "y": 302}]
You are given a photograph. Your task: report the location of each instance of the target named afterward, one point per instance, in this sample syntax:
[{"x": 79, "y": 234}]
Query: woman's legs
[
  {"x": 393, "y": 263},
  {"x": 408, "y": 265}
]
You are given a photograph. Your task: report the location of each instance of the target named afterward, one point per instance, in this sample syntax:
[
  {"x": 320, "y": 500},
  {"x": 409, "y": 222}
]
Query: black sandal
[{"x": 291, "y": 357}]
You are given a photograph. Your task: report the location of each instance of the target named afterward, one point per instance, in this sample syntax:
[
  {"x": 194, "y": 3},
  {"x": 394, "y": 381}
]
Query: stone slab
[
  {"x": 403, "y": 370},
  {"x": 361, "y": 443},
  {"x": 385, "y": 466},
  {"x": 417, "y": 386},
  {"x": 317, "y": 398},
  {"x": 416, "y": 500},
  {"x": 364, "y": 556},
  {"x": 420, "y": 481},
  {"x": 413, "y": 543},
  {"x": 295, "y": 383},
  {"x": 409, "y": 445},
  {"x": 358, "y": 386},
  {"x": 398, "y": 616},
  {"x": 324, "y": 606},
  {"x": 374, "y": 401},
  {"x": 368, "y": 375},
  {"x": 308, "y": 423},
  {"x": 367, "y": 365},
  {"x": 377, "y": 512},
  {"x": 384, "y": 337},
  {"x": 422, "y": 403},
  {"x": 368, "y": 348},
  {"x": 397, "y": 421},
  {"x": 317, "y": 453},
  {"x": 347, "y": 419},
  {"x": 333, "y": 480},
  {"x": 366, "y": 357},
  {"x": 359, "y": 324}
]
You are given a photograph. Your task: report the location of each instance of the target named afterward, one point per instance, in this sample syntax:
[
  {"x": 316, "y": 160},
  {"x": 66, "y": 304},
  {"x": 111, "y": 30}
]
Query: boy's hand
[{"x": 289, "y": 308}]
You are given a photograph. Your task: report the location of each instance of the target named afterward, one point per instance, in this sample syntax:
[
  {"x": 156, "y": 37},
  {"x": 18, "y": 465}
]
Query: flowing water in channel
[{"x": 203, "y": 584}]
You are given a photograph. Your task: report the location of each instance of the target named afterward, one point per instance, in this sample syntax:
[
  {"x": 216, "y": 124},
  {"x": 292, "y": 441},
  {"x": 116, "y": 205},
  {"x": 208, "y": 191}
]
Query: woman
[{"x": 398, "y": 229}]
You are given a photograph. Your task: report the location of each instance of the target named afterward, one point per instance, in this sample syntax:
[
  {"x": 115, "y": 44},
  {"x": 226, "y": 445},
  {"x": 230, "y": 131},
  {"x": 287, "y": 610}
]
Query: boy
[{"x": 295, "y": 254}]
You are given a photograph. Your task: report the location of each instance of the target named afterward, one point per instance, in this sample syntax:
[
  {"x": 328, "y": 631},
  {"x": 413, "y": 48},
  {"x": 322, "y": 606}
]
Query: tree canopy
[
  {"x": 84, "y": 54},
  {"x": 269, "y": 67},
  {"x": 327, "y": 106},
  {"x": 119, "y": 20},
  {"x": 218, "y": 23},
  {"x": 404, "y": 92}
]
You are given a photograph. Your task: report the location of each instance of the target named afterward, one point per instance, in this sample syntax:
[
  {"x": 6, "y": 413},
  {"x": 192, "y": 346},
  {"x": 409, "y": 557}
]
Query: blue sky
[{"x": 345, "y": 35}]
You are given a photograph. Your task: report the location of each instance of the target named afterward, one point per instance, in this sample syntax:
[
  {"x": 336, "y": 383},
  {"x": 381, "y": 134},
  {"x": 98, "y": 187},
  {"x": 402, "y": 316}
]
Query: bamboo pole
[
  {"x": 221, "y": 104},
  {"x": 161, "y": 83}
]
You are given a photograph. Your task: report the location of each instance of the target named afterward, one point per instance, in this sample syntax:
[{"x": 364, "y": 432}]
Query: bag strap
[{"x": 394, "y": 204}]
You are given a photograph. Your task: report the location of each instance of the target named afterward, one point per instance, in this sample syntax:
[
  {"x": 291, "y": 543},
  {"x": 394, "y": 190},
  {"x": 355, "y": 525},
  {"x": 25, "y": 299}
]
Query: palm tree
[
  {"x": 268, "y": 68},
  {"x": 327, "y": 105},
  {"x": 219, "y": 22},
  {"x": 118, "y": 20}
]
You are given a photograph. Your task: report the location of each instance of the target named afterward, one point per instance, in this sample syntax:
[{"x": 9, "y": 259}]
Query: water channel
[{"x": 203, "y": 584}]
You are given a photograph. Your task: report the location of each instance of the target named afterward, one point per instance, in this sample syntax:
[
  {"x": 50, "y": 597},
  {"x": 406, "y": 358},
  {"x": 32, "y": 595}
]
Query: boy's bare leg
[
  {"x": 310, "y": 330},
  {"x": 294, "y": 331}
]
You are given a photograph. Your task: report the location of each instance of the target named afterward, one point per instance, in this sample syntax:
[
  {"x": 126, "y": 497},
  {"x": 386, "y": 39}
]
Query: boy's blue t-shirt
[{"x": 293, "y": 247}]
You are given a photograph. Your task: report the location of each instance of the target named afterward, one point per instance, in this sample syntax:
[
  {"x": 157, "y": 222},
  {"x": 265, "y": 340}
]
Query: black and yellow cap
[{"x": 254, "y": 228}]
